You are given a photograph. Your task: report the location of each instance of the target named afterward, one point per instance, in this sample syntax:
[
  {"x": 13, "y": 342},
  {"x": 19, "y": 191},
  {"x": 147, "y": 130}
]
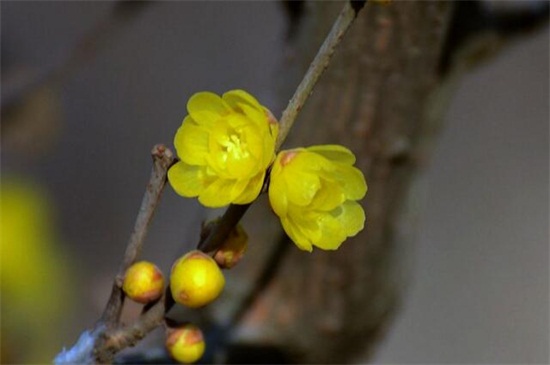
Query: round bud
[
  {"x": 185, "y": 344},
  {"x": 233, "y": 248},
  {"x": 196, "y": 279},
  {"x": 143, "y": 282}
]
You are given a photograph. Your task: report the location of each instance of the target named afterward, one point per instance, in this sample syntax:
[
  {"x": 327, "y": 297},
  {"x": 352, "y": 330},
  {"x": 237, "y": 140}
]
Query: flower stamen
[{"x": 236, "y": 147}]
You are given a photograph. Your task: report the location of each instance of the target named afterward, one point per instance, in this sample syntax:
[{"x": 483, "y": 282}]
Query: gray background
[{"x": 478, "y": 288}]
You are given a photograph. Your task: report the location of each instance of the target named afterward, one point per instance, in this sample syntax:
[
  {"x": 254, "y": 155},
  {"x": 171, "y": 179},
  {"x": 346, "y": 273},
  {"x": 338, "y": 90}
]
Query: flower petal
[
  {"x": 187, "y": 180},
  {"x": 277, "y": 195},
  {"x": 352, "y": 181},
  {"x": 307, "y": 220},
  {"x": 252, "y": 189},
  {"x": 218, "y": 193},
  {"x": 333, "y": 234},
  {"x": 235, "y": 97},
  {"x": 191, "y": 142},
  {"x": 311, "y": 162},
  {"x": 206, "y": 107},
  {"x": 334, "y": 153},
  {"x": 301, "y": 187},
  {"x": 258, "y": 116},
  {"x": 301, "y": 183},
  {"x": 352, "y": 218},
  {"x": 328, "y": 197},
  {"x": 296, "y": 235}
]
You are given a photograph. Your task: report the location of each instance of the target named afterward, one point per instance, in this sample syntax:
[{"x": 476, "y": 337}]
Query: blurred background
[{"x": 75, "y": 161}]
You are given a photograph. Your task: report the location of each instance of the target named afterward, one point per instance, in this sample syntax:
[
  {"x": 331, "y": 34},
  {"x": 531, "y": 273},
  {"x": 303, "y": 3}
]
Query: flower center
[{"x": 235, "y": 147}]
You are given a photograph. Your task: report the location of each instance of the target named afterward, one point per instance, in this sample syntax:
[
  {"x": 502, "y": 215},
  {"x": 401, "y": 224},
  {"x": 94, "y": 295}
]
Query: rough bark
[{"x": 375, "y": 98}]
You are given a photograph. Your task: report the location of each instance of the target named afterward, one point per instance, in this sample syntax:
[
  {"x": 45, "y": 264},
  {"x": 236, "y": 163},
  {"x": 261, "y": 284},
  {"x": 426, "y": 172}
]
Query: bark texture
[{"x": 377, "y": 99}]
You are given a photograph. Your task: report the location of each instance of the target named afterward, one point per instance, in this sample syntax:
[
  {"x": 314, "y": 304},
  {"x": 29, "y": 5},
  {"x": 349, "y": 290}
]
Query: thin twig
[
  {"x": 163, "y": 158},
  {"x": 116, "y": 339},
  {"x": 317, "y": 67},
  {"x": 221, "y": 230}
]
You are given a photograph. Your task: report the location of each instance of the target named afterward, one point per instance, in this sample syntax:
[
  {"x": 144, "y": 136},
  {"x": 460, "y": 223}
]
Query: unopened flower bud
[
  {"x": 143, "y": 282},
  {"x": 233, "y": 248},
  {"x": 185, "y": 344},
  {"x": 196, "y": 279}
]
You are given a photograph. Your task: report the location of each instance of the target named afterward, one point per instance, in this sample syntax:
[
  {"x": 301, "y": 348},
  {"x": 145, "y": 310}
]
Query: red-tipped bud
[
  {"x": 143, "y": 282},
  {"x": 185, "y": 344},
  {"x": 233, "y": 249}
]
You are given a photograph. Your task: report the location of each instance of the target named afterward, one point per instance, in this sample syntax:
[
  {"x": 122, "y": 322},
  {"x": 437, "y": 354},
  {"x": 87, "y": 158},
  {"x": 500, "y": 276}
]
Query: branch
[
  {"x": 318, "y": 66},
  {"x": 116, "y": 339},
  {"x": 162, "y": 160},
  {"x": 221, "y": 230}
]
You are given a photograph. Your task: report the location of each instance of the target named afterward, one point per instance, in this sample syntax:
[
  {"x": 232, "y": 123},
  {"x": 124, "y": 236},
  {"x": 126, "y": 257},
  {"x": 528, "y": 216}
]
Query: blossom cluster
[{"x": 226, "y": 146}]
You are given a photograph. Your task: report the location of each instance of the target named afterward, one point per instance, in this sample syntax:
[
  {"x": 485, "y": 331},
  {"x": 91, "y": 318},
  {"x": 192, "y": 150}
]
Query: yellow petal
[
  {"x": 334, "y": 152},
  {"x": 191, "y": 142},
  {"x": 238, "y": 121},
  {"x": 311, "y": 162},
  {"x": 277, "y": 195},
  {"x": 301, "y": 187},
  {"x": 352, "y": 181},
  {"x": 296, "y": 236},
  {"x": 351, "y": 218},
  {"x": 268, "y": 149},
  {"x": 235, "y": 97},
  {"x": 254, "y": 142},
  {"x": 333, "y": 234},
  {"x": 206, "y": 106},
  {"x": 328, "y": 197},
  {"x": 257, "y": 115},
  {"x": 301, "y": 184},
  {"x": 205, "y": 118},
  {"x": 307, "y": 221},
  {"x": 252, "y": 190},
  {"x": 187, "y": 180},
  {"x": 217, "y": 194}
]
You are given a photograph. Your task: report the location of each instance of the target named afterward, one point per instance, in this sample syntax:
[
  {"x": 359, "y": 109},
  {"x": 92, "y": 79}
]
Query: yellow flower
[
  {"x": 225, "y": 145},
  {"x": 314, "y": 191}
]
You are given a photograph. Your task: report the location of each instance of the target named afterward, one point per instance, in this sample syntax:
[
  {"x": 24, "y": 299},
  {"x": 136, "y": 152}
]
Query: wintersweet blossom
[
  {"x": 225, "y": 146},
  {"x": 314, "y": 191}
]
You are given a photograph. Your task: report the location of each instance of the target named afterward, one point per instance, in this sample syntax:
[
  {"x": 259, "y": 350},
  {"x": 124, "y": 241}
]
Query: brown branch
[
  {"x": 163, "y": 158},
  {"x": 223, "y": 228},
  {"x": 116, "y": 339},
  {"x": 318, "y": 66}
]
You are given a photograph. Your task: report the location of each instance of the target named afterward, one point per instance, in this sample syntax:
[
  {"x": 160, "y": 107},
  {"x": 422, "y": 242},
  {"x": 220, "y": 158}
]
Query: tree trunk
[{"x": 376, "y": 98}]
